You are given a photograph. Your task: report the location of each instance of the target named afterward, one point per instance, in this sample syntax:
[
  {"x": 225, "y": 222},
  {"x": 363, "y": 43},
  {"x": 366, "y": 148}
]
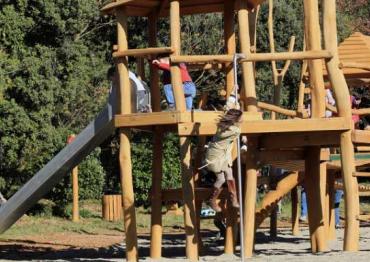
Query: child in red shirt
[{"x": 188, "y": 85}]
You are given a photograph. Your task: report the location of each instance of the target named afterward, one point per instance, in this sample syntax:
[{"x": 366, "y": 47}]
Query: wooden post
[
  {"x": 313, "y": 42},
  {"x": 198, "y": 163},
  {"x": 176, "y": 79},
  {"x": 324, "y": 196},
  {"x": 315, "y": 190},
  {"x": 156, "y": 193},
  {"x": 295, "y": 211},
  {"x": 191, "y": 230},
  {"x": 231, "y": 219},
  {"x": 331, "y": 207},
  {"x": 156, "y": 197},
  {"x": 125, "y": 147},
  {"x": 140, "y": 68},
  {"x": 250, "y": 103},
  {"x": 230, "y": 44},
  {"x": 338, "y": 82},
  {"x": 185, "y": 151},
  {"x": 273, "y": 222},
  {"x": 315, "y": 203},
  {"x": 112, "y": 207},
  {"x": 249, "y": 84},
  {"x": 154, "y": 74},
  {"x": 250, "y": 196},
  {"x": 75, "y": 208}
]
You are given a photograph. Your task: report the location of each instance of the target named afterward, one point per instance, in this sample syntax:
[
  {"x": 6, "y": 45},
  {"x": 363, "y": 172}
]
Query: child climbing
[
  {"x": 219, "y": 159},
  {"x": 189, "y": 87}
]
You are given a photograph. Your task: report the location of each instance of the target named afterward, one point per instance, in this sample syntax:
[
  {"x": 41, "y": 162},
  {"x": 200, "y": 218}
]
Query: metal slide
[{"x": 40, "y": 184}]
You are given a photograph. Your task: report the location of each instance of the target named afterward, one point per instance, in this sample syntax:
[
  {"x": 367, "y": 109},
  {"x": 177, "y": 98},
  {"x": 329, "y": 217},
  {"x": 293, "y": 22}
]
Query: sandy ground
[{"x": 110, "y": 248}]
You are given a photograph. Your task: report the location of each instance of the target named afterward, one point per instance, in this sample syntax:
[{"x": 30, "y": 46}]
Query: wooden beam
[
  {"x": 280, "y": 110},
  {"x": 361, "y": 174},
  {"x": 143, "y": 52},
  {"x": 289, "y": 140},
  {"x": 253, "y": 57},
  {"x": 283, "y": 56},
  {"x": 266, "y": 156},
  {"x": 174, "y": 117},
  {"x": 269, "y": 126},
  {"x": 354, "y": 65},
  {"x": 361, "y": 136},
  {"x": 155, "y": 118},
  {"x": 201, "y": 59}
]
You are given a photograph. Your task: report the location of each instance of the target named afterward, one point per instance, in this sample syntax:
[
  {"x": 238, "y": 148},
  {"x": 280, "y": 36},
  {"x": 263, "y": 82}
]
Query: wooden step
[
  {"x": 364, "y": 194},
  {"x": 364, "y": 218},
  {"x": 361, "y": 136},
  {"x": 361, "y": 174}
]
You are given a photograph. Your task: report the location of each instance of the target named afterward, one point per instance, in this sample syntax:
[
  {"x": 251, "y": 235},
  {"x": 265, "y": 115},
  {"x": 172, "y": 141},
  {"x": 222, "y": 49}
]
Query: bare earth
[{"x": 87, "y": 247}]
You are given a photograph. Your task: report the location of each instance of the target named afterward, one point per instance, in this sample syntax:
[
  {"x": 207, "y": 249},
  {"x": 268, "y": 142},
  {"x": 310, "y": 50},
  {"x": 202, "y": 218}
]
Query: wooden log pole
[
  {"x": 188, "y": 192},
  {"x": 231, "y": 218},
  {"x": 154, "y": 74},
  {"x": 75, "y": 208},
  {"x": 249, "y": 85},
  {"x": 315, "y": 203},
  {"x": 331, "y": 194},
  {"x": 230, "y": 44},
  {"x": 324, "y": 197},
  {"x": 341, "y": 93},
  {"x": 176, "y": 79},
  {"x": 197, "y": 180},
  {"x": 128, "y": 201},
  {"x": 295, "y": 211},
  {"x": 316, "y": 180},
  {"x": 156, "y": 197},
  {"x": 250, "y": 197},
  {"x": 156, "y": 192}
]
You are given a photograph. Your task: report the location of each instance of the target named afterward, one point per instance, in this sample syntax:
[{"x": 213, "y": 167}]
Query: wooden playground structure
[{"x": 298, "y": 138}]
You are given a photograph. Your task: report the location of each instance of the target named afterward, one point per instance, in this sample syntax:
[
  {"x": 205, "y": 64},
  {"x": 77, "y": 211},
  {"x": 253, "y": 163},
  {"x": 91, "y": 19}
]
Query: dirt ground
[{"x": 110, "y": 247}]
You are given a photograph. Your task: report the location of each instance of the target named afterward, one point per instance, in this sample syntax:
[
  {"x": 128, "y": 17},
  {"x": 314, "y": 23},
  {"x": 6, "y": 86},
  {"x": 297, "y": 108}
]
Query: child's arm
[{"x": 163, "y": 66}]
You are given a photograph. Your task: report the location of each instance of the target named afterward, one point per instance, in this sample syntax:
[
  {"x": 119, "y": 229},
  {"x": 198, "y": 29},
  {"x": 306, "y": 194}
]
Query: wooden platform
[{"x": 204, "y": 123}]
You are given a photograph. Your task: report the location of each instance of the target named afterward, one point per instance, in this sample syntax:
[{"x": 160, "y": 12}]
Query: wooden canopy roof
[
  {"x": 187, "y": 7},
  {"x": 354, "y": 56}
]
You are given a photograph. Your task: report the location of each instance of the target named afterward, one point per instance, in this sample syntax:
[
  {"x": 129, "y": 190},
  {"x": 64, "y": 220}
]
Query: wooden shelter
[
  {"x": 354, "y": 56},
  {"x": 268, "y": 140}
]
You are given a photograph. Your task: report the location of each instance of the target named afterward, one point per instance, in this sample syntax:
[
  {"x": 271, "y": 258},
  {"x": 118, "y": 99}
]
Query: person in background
[
  {"x": 219, "y": 159},
  {"x": 187, "y": 83},
  {"x": 2, "y": 199},
  {"x": 355, "y": 102}
]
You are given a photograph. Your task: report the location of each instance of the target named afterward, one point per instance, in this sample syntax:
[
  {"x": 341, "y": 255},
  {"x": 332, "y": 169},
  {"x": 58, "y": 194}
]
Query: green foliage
[{"x": 52, "y": 83}]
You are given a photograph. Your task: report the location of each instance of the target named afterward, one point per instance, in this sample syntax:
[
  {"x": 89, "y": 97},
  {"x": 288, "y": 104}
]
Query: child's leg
[
  {"x": 231, "y": 186},
  {"x": 189, "y": 92},
  {"x": 220, "y": 180},
  {"x": 169, "y": 95},
  {"x": 303, "y": 205},
  {"x": 338, "y": 197}
]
